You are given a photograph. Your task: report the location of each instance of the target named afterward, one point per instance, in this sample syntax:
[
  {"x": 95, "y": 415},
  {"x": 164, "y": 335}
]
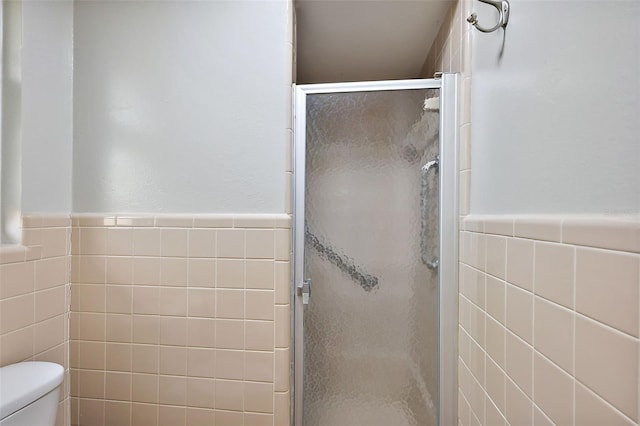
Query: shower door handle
[
  {"x": 431, "y": 260},
  {"x": 304, "y": 290}
]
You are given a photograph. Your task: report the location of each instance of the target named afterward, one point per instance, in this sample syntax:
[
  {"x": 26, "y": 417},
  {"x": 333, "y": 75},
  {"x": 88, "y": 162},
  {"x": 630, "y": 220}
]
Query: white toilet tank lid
[{"x": 25, "y": 382}]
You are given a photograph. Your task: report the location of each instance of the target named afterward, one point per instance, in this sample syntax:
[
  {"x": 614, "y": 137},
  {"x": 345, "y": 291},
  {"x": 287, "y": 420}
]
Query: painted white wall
[
  {"x": 47, "y": 108},
  {"x": 556, "y": 119},
  {"x": 181, "y": 106}
]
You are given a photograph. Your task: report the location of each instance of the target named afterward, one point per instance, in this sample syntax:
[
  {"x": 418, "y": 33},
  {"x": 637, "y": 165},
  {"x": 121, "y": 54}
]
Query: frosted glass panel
[{"x": 370, "y": 329}]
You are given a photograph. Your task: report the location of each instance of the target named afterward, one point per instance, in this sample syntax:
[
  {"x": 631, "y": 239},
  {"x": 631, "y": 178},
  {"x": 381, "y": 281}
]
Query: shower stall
[{"x": 375, "y": 253}]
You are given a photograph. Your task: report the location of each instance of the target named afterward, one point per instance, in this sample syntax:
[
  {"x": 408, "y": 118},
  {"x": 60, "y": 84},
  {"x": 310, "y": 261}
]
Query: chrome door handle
[
  {"x": 430, "y": 260},
  {"x": 304, "y": 290}
]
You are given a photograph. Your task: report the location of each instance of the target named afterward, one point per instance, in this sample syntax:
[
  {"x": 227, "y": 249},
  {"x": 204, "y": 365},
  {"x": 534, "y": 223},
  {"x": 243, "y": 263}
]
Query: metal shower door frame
[{"x": 448, "y": 222}]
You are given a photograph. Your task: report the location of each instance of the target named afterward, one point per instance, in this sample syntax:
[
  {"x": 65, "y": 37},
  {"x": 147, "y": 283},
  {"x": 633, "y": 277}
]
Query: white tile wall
[{"x": 555, "y": 340}]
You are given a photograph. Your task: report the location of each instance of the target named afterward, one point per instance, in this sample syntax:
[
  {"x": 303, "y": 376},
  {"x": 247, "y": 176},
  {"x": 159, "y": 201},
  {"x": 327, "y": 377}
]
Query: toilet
[{"x": 29, "y": 393}]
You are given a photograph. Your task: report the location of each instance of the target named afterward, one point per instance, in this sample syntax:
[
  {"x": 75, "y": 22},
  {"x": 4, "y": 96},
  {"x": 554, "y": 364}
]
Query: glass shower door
[{"x": 371, "y": 233}]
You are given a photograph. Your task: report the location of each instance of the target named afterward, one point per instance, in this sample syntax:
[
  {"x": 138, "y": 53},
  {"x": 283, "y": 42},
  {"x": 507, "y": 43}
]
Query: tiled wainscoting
[
  {"x": 180, "y": 320},
  {"x": 549, "y": 320},
  {"x": 34, "y": 298}
]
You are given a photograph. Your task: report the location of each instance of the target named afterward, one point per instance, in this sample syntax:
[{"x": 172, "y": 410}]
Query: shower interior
[{"x": 371, "y": 327}]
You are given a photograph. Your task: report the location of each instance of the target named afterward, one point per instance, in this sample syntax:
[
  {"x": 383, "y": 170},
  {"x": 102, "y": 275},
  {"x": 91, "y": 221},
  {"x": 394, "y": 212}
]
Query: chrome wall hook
[{"x": 503, "y": 10}]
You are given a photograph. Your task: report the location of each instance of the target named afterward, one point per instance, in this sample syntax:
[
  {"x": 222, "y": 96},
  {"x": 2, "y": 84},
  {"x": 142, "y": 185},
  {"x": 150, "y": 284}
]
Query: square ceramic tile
[
  {"x": 202, "y": 243},
  {"x": 258, "y": 397},
  {"x": 591, "y": 410},
  {"x": 91, "y": 270},
  {"x": 119, "y": 242},
  {"x": 495, "y": 341},
  {"x": 144, "y": 388},
  {"x": 119, "y": 270},
  {"x": 117, "y": 413},
  {"x": 16, "y": 279},
  {"x": 493, "y": 415},
  {"x": 201, "y": 362},
  {"x": 496, "y": 298},
  {"x": 144, "y": 414},
  {"x": 146, "y": 300},
  {"x": 607, "y": 286},
  {"x": 603, "y": 353},
  {"x": 202, "y": 302},
  {"x": 520, "y": 262},
  {"x": 175, "y": 242},
  {"x": 173, "y": 360},
  {"x": 202, "y": 273},
  {"x": 17, "y": 346},
  {"x": 229, "y": 395},
  {"x": 119, "y": 328},
  {"x": 118, "y": 386},
  {"x": 258, "y": 366},
  {"x": 553, "y": 390},
  {"x": 519, "y": 363},
  {"x": 230, "y": 243},
  {"x": 260, "y": 274},
  {"x": 259, "y": 335},
  {"x": 519, "y": 408},
  {"x": 91, "y": 355},
  {"x": 229, "y": 334},
  {"x": 477, "y": 362},
  {"x": 146, "y": 270},
  {"x": 554, "y": 333},
  {"x": 118, "y": 357},
  {"x": 49, "y": 303},
  {"x": 230, "y": 303},
  {"x": 519, "y": 309},
  {"x": 496, "y": 256},
  {"x": 119, "y": 299},
  {"x": 174, "y": 271},
  {"x": 554, "y": 272},
  {"x": 495, "y": 384},
  {"x": 91, "y": 326},
  {"x": 201, "y": 332},
  {"x": 283, "y": 244},
  {"x": 172, "y": 416},
  {"x": 200, "y": 416},
  {"x": 91, "y": 411},
  {"x": 173, "y": 301},
  {"x": 260, "y": 244},
  {"x": 16, "y": 313},
  {"x": 49, "y": 333},
  {"x": 146, "y": 242},
  {"x": 259, "y": 304},
  {"x": 477, "y": 318},
  {"x": 93, "y": 241},
  {"x": 172, "y": 390},
  {"x": 145, "y": 359},
  {"x": 146, "y": 329},
  {"x": 173, "y": 331},
  {"x": 230, "y": 273},
  {"x": 230, "y": 364}
]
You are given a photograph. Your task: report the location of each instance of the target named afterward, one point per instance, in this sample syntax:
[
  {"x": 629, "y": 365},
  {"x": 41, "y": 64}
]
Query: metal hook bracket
[{"x": 503, "y": 10}]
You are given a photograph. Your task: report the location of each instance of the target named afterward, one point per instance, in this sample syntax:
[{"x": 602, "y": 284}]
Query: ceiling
[{"x": 359, "y": 40}]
